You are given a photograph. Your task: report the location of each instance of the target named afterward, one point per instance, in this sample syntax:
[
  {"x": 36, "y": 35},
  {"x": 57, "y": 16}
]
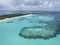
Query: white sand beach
[{"x": 6, "y": 19}]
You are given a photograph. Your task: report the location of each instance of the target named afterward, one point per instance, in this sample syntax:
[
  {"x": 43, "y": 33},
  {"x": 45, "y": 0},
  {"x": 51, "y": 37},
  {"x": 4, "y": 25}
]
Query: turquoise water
[{"x": 9, "y": 33}]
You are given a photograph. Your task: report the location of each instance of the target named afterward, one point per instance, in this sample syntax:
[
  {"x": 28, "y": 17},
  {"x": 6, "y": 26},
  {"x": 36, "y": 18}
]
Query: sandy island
[{"x": 6, "y": 19}]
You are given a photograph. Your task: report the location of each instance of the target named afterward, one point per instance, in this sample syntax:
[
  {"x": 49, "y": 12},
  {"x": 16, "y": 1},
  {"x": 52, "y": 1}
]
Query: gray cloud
[{"x": 29, "y": 5}]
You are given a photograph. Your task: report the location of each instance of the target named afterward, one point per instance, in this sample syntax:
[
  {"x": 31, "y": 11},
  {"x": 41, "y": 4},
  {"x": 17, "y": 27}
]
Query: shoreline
[{"x": 6, "y": 19}]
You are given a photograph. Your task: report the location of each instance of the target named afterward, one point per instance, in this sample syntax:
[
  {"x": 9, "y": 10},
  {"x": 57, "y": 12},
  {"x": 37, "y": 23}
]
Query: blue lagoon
[{"x": 34, "y": 29}]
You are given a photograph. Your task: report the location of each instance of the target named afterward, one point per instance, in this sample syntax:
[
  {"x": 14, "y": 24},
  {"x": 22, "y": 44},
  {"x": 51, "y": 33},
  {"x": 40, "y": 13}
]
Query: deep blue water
[
  {"x": 3, "y": 12},
  {"x": 9, "y": 33}
]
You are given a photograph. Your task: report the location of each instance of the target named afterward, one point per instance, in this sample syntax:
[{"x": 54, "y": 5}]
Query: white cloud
[
  {"x": 29, "y": 4},
  {"x": 46, "y": 2}
]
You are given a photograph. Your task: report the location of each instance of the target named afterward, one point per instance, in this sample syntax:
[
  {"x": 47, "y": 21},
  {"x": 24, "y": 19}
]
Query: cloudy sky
[{"x": 30, "y": 5}]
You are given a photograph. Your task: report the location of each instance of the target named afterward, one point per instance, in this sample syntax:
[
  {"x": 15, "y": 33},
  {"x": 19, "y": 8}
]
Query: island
[{"x": 11, "y": 15}]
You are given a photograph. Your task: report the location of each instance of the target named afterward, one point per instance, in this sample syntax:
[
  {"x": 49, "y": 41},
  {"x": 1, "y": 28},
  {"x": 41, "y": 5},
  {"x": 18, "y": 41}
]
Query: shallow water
[{"x": 9, "y": 33}]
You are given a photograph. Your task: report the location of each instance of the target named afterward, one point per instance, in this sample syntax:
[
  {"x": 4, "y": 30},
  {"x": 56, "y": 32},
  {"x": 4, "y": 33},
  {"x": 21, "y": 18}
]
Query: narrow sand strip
[{"x": 14, "y": 17}]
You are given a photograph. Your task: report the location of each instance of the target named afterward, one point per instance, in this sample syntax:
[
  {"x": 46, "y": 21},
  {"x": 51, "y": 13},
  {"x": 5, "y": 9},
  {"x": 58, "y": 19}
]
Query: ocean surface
[
  {"x": 9, "y": 33},
  {"x": 3, "y": 12}
]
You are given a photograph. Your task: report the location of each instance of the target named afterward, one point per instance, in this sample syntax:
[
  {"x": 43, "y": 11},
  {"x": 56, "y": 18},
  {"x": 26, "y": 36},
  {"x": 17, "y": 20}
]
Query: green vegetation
[{"x": 10, "y": 15}]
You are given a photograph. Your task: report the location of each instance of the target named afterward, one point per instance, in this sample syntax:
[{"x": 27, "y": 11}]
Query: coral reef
[{"x": 46, "y": 29}]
